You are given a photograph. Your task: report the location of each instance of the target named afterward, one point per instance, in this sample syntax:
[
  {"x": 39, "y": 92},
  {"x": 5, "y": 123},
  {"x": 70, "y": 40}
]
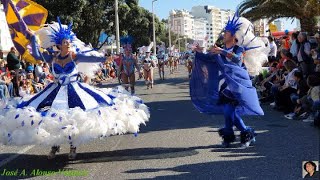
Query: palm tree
[{"x": 304, "y": 10}]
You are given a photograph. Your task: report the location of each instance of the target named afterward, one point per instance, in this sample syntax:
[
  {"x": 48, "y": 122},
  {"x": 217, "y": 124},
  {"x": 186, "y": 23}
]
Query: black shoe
[
  {"x": 73, "y": 153},
  {"x": 228, "y": 137},
  {"x": 248, "y": 137},
  {"x": 53, "y": 152}
]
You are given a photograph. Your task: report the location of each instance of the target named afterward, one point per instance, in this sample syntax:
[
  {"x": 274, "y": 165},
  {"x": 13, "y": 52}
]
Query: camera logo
[{"x": 310, "y": 169}]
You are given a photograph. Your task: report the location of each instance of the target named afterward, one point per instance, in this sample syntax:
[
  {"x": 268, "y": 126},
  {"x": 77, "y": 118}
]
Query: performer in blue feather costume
[
  {"x": 68, "y": 111},
  {"x": 221, "y": 84}
]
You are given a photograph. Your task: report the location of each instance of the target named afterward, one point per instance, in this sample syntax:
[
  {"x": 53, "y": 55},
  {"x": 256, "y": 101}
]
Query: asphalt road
[{"x": 177, "y": 143}]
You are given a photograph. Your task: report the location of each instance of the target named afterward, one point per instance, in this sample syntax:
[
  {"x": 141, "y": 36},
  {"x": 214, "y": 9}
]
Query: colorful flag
[{"x": 22, "y": 15}]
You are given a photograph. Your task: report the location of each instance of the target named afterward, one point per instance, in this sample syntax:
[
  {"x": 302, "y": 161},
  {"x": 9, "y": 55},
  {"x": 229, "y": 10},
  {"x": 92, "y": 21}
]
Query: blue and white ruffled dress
[{"x": 70, "y": 112}]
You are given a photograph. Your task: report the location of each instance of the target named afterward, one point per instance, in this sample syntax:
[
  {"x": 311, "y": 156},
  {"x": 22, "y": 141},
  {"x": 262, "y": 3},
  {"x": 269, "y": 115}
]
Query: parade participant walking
[
  {"x": 171, "y": 61},
  {"x": 176, "y": 62},
  {"x": 68, "y": 111},
  {"x": 161, "y": 60},
  {"x": 220, "y": 83},
  {"x": 189, "y": 65},
  {"x": 148, "y": 65},
  {"x": 128, "y": 65}
]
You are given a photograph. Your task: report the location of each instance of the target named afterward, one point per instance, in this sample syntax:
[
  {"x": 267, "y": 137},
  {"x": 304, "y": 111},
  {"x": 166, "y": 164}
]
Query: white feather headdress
[
  {"x": 44, "y": 35},
  {"x": 149, "y": 47},
  {"x": 256, "y": 51}
]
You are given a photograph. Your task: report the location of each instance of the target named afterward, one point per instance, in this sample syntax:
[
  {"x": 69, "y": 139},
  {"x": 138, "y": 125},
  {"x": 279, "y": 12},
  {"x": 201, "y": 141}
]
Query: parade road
[{"x": 177, "y": 143}]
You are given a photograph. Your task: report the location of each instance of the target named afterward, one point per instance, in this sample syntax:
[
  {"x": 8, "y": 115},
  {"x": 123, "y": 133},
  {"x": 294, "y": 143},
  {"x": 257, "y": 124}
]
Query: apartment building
[{"x": 216, "y": 20}]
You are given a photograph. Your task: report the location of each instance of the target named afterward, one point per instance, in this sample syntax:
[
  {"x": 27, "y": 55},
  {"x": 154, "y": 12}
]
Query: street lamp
[
  {"x": 116, "y": 9},
  {"x": 179, "y": 41},
  {"x": 186, "y": 41},
  {"x": 169, "y": 27},
  {"x": 179, "y": 33},
  {"x": 154, "y": 30}
]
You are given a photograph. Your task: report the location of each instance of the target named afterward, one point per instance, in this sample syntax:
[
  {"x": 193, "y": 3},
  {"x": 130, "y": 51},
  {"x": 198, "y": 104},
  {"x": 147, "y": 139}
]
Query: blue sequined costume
[{"x": 67, "y": 92}]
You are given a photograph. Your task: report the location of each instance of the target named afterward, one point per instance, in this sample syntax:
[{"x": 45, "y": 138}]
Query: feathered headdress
[
  {"x": 233, "y": 25},
  {"x": 149, "y": 47},
  {"x": 142, "y": 49},
  {"x": 162, "y": 48},
  {"x": 256, "y": 53},
  {"x": 62, "y": 33},
  {"x": 126, "y": 42},
  {"x": 111, "y": 39},
  {"x": 171, "y": 50}
]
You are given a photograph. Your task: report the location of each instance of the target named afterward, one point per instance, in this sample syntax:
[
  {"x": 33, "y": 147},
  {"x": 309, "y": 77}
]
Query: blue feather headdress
[
  {"x": 62, "y": 33},
  {"x": 126, "y": 42},
  {"x": 233, "y": 25}
]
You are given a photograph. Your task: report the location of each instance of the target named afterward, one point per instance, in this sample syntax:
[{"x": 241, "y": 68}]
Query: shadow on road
[
  {"x": 257, "y": 162},
  {"x": 226, "y": 170},
  {"x": 281, "y": 147},
  {"x": 170, "y": 115},
  {"x": 61, "y": 161}
]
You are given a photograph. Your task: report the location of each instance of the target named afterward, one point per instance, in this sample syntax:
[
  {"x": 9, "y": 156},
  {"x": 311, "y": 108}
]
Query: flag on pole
[{"x": 22, "y": 15}]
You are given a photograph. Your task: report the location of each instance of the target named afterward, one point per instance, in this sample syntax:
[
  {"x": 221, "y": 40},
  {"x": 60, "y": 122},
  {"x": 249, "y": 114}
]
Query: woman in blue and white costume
[
  {"x": 67, "y": 111},
  {"x": 128, "y": 65},
  {"x": 220, "y": 81}
]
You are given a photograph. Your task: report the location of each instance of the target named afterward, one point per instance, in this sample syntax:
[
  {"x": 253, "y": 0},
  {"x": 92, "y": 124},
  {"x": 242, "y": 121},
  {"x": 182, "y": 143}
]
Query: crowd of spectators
[
  {"x": 19, "y": 78},
  {"x": 292, "y": 83}
]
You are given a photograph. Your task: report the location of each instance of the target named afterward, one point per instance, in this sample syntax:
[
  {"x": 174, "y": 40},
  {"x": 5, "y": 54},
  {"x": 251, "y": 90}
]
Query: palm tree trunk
[{"x": 308, "y": 24}]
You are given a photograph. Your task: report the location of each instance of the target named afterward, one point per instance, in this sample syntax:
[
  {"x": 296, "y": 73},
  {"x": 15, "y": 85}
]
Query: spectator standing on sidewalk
[
  {"x": 294, "y": 46},
  {"x": 273, "y": 50},
  {"x": 13, "y": 64},
  {"x": 316, "y": 54},
  {"x": 305, "y": 61}
]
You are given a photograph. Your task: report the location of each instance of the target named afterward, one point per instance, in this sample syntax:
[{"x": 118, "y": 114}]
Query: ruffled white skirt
[{"x": 24, "y": 123}]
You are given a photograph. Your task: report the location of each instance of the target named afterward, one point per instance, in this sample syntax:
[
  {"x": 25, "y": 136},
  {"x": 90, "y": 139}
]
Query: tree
[
  {"x": 304, "y": 10},
  {"x": 71, "y": 12},
  {"x": 95, "y": 19},
  {"x": 137, "y": 22},
  {"x": 89, "y": 17}
]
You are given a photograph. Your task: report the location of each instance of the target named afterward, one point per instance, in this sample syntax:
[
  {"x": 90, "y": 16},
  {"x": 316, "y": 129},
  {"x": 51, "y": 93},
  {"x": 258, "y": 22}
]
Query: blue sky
[{"x": 162, "y": 7}]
